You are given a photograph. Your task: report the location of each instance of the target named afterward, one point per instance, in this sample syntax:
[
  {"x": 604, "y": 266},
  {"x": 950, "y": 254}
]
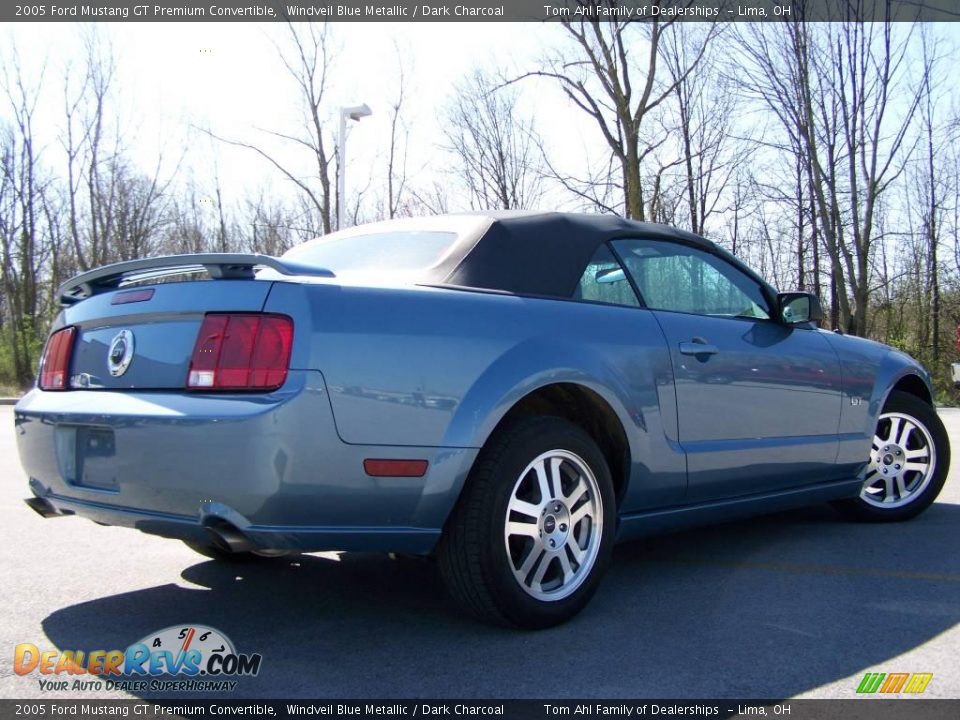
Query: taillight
[
  {"x": 55, "y": 366},
  {"x": 241, "y": 351}
]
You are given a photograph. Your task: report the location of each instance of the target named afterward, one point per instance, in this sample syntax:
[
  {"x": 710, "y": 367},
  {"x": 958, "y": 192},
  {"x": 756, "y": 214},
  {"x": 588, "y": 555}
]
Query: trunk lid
[{"x": 134, "y": 339}]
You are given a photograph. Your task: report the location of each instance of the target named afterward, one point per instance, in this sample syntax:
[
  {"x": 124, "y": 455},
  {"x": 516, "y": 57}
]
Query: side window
[
  {"x": 676, "y": 277},
  {"x": 605, "y": 281}
]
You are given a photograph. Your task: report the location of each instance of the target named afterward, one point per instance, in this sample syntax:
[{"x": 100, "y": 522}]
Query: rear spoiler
[{"x": 219, "y": 266}]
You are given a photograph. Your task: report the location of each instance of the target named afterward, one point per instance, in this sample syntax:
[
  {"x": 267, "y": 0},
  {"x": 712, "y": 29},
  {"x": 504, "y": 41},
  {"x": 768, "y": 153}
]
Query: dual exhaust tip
[
  {"x": 223, "y": 535},
  {"x": 228, "y": 538},
  {"x": 43, "y": 508}
]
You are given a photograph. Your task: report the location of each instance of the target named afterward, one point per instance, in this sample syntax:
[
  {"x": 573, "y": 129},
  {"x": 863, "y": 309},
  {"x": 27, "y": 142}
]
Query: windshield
[{"x": 399, "y": 251}]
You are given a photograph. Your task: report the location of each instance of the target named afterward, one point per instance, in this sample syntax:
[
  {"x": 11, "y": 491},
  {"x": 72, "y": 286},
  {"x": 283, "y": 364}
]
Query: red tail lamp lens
[
  {"x": 241, "y": 351},
  {"x": 55, "y": 366}
]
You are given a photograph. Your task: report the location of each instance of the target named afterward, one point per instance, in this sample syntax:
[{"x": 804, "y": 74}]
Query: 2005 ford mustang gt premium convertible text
[{"x": 512, "y": 392}]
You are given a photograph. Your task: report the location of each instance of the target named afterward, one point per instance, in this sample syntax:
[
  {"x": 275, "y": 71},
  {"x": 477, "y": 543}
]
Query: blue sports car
[{"x": 511, "y": 393}]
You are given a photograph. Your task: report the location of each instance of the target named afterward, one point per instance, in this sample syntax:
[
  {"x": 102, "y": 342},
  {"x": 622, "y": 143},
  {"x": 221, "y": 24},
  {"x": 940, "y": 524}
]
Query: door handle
[{"x": 698, "y": 346}]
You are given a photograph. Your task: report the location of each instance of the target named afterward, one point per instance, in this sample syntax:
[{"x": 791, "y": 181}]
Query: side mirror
[{"x": 797, "y": 308}]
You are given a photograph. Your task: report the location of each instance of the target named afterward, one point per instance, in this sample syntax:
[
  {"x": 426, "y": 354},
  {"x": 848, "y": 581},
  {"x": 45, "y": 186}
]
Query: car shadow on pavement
[{"x": 767, "y": 608}]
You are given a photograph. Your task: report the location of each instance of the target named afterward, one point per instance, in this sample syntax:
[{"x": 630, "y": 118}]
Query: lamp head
[{"x": 357, "y": 112}]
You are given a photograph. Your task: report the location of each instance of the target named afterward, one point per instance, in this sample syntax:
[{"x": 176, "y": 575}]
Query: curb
[{"x": 9, "y": 401}]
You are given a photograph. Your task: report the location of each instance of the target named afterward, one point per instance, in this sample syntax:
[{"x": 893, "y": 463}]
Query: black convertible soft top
[
  {"x": 542, "y": 254},
  {"x": 545, "y": 253}
]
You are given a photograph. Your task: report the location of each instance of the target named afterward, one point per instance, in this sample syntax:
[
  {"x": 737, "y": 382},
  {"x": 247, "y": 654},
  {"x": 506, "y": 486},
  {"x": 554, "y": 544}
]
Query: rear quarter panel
[{"x": 433, "y": 367}]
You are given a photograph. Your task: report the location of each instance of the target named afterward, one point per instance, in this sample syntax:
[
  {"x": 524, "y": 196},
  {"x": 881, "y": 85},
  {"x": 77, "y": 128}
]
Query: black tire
[
  {"x": 473, "y": 552},
  {"x": 922, "y": 414},
  {"x": 214, "y": 552}
]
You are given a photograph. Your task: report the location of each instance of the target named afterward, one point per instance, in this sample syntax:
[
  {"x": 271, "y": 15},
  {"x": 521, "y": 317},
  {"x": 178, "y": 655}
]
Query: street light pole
[{"x": 354, "y": 113}]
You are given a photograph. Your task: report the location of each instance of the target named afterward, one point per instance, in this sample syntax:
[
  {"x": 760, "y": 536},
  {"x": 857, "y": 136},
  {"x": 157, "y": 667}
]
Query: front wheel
[
  {"x": 533, "y": 530},
  {"x": 909, "y": 460}
]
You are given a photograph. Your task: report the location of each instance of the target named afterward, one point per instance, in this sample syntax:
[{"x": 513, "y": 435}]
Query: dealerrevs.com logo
[{"x": 178, "y": 658}]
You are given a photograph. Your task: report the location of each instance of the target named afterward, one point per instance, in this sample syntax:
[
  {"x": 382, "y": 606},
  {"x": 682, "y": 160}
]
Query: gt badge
[{"x": 121, "y": 353}]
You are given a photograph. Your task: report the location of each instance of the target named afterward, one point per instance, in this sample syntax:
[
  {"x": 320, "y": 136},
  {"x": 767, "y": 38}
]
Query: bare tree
[
  {"x": 706, "y": 111},
  {"x": 928, "y": 188},
  {"x": 308, "y": 62},
  {"x": 495, "y": 147},
  {"x": 24, "y": 243},
  {"x": 434, "y": 199},
  {"x": 603, "y": 79},
  {"x": 272, "y": 226},
  {"x": 831, "y": 87},
  {"x": 399, "y": 141},
  {"x": 87, "y": 143},
  {"x": 115, "y": 210},
  {"x": 188, "y": 228},
  {"x": 138, "y": 211}
]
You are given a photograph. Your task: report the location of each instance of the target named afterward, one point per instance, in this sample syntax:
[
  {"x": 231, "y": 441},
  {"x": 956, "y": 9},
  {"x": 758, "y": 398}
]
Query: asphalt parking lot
[{"x": 799, "y": 604}]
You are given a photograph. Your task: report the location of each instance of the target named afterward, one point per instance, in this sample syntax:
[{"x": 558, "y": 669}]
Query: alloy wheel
[
  {"x": 903, "y": 459},
  {"x": 553, "y": 525}
]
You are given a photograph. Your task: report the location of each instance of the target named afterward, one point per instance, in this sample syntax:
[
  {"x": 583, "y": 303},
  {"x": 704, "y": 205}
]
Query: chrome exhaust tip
[
  {"x": 43, "y": 508},
  {"x": 229, "y": 538}
]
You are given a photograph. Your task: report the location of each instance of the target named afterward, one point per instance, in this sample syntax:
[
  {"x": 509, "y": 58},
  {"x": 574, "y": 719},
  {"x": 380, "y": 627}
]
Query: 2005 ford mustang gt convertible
[{"x": 510, "y": 392}]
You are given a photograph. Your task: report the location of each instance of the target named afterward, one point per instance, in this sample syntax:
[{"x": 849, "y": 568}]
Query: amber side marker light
[{"x": 395, "y": 468}]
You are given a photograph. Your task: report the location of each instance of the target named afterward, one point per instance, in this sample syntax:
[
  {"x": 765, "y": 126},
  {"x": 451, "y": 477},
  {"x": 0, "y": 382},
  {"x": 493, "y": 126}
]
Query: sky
[{"x": 174, "y": 77}]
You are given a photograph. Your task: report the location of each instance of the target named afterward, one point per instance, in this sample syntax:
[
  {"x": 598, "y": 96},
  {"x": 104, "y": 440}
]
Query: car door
[
  {"x": 640, "y": 359},
  {"x": 758, "y": 401}
]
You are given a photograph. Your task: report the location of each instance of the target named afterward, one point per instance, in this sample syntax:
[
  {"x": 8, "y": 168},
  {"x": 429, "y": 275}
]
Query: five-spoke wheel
[
  {"x": 532, "y": 531},
  {"x": 908, "y": 464},
  {"x": 553, "y": 526},
  {"x": 902, "y": 461}
]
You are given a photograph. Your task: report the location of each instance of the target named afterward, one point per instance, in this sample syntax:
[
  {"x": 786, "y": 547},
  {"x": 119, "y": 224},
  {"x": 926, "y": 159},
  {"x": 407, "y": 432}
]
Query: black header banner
[
  {"x": 477, "y": 10},
  {"x": 854, "y": 709}
]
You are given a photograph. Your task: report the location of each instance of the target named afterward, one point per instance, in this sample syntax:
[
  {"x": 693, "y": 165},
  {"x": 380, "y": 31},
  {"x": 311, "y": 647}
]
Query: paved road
[{"x": 797, "y": 604}]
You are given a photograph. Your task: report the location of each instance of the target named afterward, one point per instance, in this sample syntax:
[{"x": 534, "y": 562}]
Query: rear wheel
[
  {"x": 909, "y": 460},
  {"x": 533, "y": 530}
]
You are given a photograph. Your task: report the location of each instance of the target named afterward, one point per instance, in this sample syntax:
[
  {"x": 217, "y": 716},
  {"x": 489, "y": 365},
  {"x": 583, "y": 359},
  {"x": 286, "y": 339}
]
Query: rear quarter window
[
  {"x": 605, "y": 281},
  {"x": 399, "y": 252}
]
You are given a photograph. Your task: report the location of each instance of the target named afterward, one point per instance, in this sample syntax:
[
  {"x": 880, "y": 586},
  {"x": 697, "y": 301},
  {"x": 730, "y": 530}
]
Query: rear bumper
[{"x": 271, "y": 466}]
